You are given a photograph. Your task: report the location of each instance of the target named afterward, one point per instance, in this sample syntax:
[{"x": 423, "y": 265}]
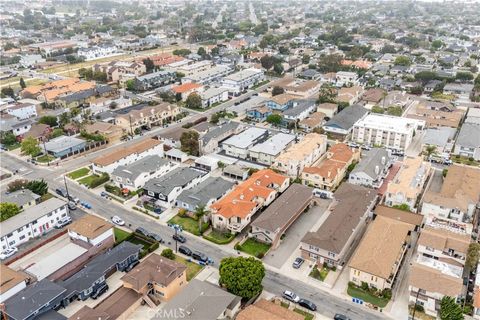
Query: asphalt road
[{"x": 273, "y": 282}]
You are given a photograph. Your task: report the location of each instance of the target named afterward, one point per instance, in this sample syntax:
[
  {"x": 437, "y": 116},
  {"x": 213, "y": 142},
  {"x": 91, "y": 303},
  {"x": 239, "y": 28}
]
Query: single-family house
[
  {"x": 204, "y": 194},
  {"x": 372, "y": 168}
]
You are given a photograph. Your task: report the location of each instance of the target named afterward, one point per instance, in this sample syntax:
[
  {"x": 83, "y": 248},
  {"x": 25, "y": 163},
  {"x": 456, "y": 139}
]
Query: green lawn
[
  {"x": 13, "y": 146},
  {"x": 465, "y": 160},
  {"x": 219, "y": 237},
  {"x": 46, "y": 196},
  {"x": 254, "y": 247},
  {"x": 192, "y": 268},
  {"x": 356, "y": 292},
  {"x": 319, "y": 274},
  {"x": 88, "y": 179},
  {"x": 120, "y": 234},
  {"x": 78, "y": 173},
  {"x": 141, "y": 241},
  {"x": 188, "y": 224},
  {"x": 307, "y": 315},
  {"x": 45, "y": 158}
]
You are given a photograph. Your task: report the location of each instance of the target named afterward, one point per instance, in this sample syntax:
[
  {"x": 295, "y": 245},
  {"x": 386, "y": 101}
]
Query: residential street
[{"x": 274, "y": 282}]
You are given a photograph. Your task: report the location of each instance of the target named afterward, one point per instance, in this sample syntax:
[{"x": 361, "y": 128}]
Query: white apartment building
[
  {"x": 190, "y": 68},
  {"x": 388, "y": 131},
  {"x": 33, "y": 221},
  {"x": 94, "y": 53},
  {"x": 21, "y": 111},
  {"x": 208, "y": 76},
  {"x": 238, "y": 146},
  {"x": 346, "y": 78},
  {"x": 127, "y": 155},
  {"x": 267, "y": 151},
  {"x": 213, "y": 95},
  {"x": 242, "y": 80}
]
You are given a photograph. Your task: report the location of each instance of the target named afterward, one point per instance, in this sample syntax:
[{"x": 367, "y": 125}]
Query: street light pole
[
  {"x": 414, "y": 306},
  {"x": 176, "y": 241}
]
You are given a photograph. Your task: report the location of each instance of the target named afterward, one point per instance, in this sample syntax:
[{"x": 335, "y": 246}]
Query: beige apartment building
[{"x": 147, "y": 117}]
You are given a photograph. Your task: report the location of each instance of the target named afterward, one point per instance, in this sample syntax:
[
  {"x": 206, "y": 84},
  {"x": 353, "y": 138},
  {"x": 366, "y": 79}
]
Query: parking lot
[{"x": 278, "y": 257}]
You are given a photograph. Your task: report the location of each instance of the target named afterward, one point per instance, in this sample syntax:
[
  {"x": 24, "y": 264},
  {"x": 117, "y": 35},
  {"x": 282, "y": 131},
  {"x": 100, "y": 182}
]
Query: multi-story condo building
[
  {"x": 388, "y": 131},
  {"x": 242, "y": 80}
]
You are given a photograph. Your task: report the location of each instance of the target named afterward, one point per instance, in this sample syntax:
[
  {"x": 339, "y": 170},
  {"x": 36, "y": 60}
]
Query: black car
[
  {"x": 199, "y": 256},
  {"x": 186, "y": 251},
  {"x": 179, "y": 238},
  {"x": 307, "y": 304},
  {"x": 142, "y": 231},
  {"x": 340, "y": 316},
  {"x": 100, "y": 290},
  {"x": 61, "y": 192},
  {"x": 155, "y": 237}
]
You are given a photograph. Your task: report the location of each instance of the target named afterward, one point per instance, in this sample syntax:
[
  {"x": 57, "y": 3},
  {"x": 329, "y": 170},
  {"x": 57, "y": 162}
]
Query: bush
[
  {"x": 364, "y": 286},
  {"x": 260, "y": 255},
  {"x": 182, "y": 212},
  {"x": 168, "y": 253},
  {"x": 99, "y": 180},
  {"x": 237, "y": 246},
  {"x": 419, "y": 308}
]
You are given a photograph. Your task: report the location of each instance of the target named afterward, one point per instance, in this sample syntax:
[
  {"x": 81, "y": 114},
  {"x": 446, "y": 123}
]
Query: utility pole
[
  {"x": 176, "y": 241},
  {"x": 66, "y": 188},
  {"x": 414, "y": 309}
]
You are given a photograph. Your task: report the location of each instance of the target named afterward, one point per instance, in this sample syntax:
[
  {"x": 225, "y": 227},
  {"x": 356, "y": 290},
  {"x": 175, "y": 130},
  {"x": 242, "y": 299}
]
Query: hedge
[{"x": 100, "y": 180}]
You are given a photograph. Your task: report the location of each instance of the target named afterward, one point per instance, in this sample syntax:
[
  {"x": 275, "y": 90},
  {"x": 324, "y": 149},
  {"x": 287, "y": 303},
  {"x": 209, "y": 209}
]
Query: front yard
[
  {"x": 188, "y": 224},
  {"x": 82, "y": 172},
  {"x": 120, "y": 234},
  {"x": 254, "y": 248},
  {"x": 465, "y": 160},
  {"x": 319, "y": 274},
  {"x": 192, "y": 268},
  {"x": 45, "y": 158},
  {"x": 94, "y": 180},
  {"x": 366, "y": 296},
  {"x": 219, "y": 237}
]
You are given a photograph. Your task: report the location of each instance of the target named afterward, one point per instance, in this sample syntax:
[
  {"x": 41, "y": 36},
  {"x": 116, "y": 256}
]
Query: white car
[
  {"x": 8, "y": 253},
  {"x": 289, "y": 295},
  {"x": 118, "y": 221}
]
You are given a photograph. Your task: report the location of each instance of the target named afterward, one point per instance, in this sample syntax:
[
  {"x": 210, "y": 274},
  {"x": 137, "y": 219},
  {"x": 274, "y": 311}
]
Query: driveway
[{"x": 276, "y": 258}]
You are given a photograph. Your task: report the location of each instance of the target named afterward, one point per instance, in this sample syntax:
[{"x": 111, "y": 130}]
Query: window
[{"x": 22, "y": 237}]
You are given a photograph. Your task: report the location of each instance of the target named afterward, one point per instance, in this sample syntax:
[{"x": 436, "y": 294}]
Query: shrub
[
  {"x": 260, "y": 255},
  {"x": 419, "y": 308},
  {"x": 182, "y": 212},
  {"x": 237, "y": 246},
  {"x": 99, "y": 180},
  {"x": 471, "y": 159},
  {"x": 168, "y": 253},
  {"x": 364, "y": 286}
]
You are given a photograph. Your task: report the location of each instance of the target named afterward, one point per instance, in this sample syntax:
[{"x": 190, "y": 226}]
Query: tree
[
  {"x": 189, "y": 142},
  {"x": 278, "y": 68},
  {"x": 39, "y": 187},
  {"x": 200, "y": 212},
  {"x": 130, "y": 85},
  {"x": 201, "y": 51},
  {"x": 431, "y": 149},
  {"x": 473, "y": 254},
  {"x": 215, "y": 51},
  {"x": 242, "y": 276},
  {"x": 168, "y": 253},
  {"x": 327, "y": 94},
  {"x": 149, "y": 65},
  {"x": 17, "y": 185},
  {"x": 277, "y": 90},
  {"x": 402, "y": 61},
  {"x": 267, "y": 62},
  {"x": 305, "y": 59},
  {"x": 194, "y": 101},
  {"x": 437, "y": 44},
  {"x": 425, "y": 76},
  {"x": 8, "y": 92},
  {"x": 275, "y": 119},
  {"x": 8, "y": 210},
  {"x": 22, "y": 83},
  {"x": 450, "y": 310},
  {"x": 330, "y": 63},
  {"x": 464, "y": 76},
  {"x": 30, "y": 146},
  {"x": 181, "y": 52},
  {"x": 7, "y": 138},
  {"x": 378, "y": 109},
  {"x": 49, "y": 120}
]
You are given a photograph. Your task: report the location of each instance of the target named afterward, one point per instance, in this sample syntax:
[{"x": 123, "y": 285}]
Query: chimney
[
  {"x": 384, "y": 160},
  {"x": 328, "y": 175},
  {"x": 377, "y": 170}
]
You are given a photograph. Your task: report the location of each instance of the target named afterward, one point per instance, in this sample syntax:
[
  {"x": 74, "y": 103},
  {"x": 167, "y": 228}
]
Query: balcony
[{"x": 236, "y": 226}]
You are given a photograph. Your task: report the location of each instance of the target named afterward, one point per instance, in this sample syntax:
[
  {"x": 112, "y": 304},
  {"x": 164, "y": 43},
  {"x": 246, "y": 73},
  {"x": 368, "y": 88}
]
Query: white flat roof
[
  {"x": 389, "y": 123},
  {"x": 49, "y": 264},
  {"x": 274, "y": 145},
  {"x": 245, "y": 138},
  {"x": 243, "y": 74}
]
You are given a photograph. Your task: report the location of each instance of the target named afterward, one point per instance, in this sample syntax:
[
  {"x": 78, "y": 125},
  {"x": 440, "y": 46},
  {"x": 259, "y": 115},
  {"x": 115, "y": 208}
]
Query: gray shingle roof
[
  {"x": 32, "y": 298},
  {"x": 469, "y": 135},
  {"x": 301, "y": 106},
  {"x": 178, "y": 177},
  {"x": 218, "y": 131},
  {"x": 212, "y": 188},
  {"x": 371, "y": 159},
  {"x": 347, "y": 117},
  {"x": 19, "y": 197},
  {"x": 98, "y": 267},
  {"x": 148, "y": 164},
  {"x": 199, "y": 300}
]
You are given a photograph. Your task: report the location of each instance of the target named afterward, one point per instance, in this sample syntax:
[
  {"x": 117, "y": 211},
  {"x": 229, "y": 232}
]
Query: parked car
[
  {"x": 142, "y": 231},
  {"x": 199, "y": 256},
  {"x": 340, "y": 316},
  {"x": 179, "y": 238},
  {"x": 298, "y": 263},
  {"x": 175, "y": 226},
  {"x": 131, "y": 265},
  {"x": 8, "y": 253},
  {"x": 186, "y": 251},
  {"x": 63, "y": 222},
  {"x": 291, "y": 296},
  {"x": 100, "y": 290},
  {"x": 72, "y": 205},
  {"x": 61, "y": 192},
  {"x": 73, "y": 199},
  {"x": 118, "y": 221},
  {"x": 155, "y": 237},
  {"x": 307, "y": 304},
  {"x": 366, "y": 147}
]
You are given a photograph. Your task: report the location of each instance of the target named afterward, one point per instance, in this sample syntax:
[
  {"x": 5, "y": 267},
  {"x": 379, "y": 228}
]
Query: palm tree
[
  {"x": 430, "y": 150},
  {"x": 200, "y": 212}
]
